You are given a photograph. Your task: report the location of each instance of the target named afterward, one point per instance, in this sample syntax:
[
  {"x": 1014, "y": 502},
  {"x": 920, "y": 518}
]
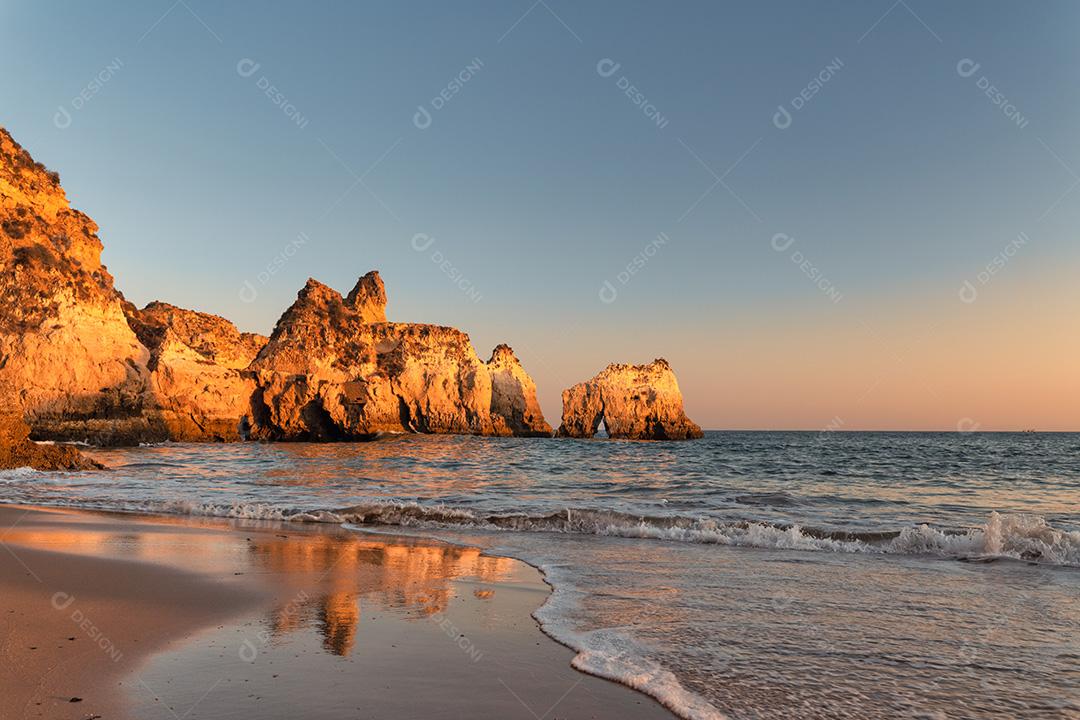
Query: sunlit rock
[{"x": 637, "y": 402}]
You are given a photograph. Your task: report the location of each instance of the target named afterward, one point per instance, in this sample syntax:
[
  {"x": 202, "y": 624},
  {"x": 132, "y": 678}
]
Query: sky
[{"x": 825, "y": 215}]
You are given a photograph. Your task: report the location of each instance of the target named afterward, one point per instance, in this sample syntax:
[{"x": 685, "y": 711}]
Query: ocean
[{"x": 745, "y": 575}]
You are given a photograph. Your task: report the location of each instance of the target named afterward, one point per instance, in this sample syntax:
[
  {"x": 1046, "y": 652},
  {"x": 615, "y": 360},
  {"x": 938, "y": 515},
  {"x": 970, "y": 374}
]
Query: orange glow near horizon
[{"x": 995, "y": 364}]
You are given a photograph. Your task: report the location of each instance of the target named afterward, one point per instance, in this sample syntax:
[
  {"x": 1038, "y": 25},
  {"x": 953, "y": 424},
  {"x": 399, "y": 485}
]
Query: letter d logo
[
  {"x": 782, "y": 118},
  {"x": 967, "y": 67},
  {"x": 968, "y": 294},
  {"x": 61, "y": 600},
  {"x": 781, "y": 242},
  {"x": 608, "y": 293},
  {"x": 421, "y": 242},
  {"x": 248, "y": 293},
  {"x": 62, "y": 118},
  {"x": 422, "y": 118},
  {"x": 247, "y": 67},
  {"x": 248, "y": 652},
  {"x": 607, "y": 67}
]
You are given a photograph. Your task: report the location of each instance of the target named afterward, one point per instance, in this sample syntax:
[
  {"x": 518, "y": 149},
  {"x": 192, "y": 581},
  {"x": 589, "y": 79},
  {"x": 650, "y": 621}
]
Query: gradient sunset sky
[{"x": 895, "y": 248}]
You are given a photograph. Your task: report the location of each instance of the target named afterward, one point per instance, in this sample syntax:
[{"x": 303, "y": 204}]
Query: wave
[
  {"x": 610, "y": 654},
  {"x": 1004, "y": 535},
  {"x": 19, "y": 473},
  {"x": 1014, "y": 536}
]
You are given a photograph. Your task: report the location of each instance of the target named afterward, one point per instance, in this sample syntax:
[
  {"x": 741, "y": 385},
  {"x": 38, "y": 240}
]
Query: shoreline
[{"x": 153, "y": 600}]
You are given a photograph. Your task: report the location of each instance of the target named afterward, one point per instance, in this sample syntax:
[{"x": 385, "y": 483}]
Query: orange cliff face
[
  {"x": 65, "y": 347},
  {"x": 84, "y": 364},
  {"x": 335, "y": 370}
]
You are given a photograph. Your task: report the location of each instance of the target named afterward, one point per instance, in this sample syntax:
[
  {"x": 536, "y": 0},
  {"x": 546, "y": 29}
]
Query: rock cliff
[
  {"x": 87, "y": 365},
  {"x": 335, "y": 370},
  {"x": 637, "y": 402},
  {"x": 197, "y": 387},
  {"x": 84, "y": 364},
  {"x": 66, "y": 349}
]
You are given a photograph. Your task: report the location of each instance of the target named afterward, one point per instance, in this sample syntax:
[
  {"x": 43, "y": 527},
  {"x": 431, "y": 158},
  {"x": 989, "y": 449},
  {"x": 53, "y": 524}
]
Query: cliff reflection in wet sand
[
  {"x": 319, "y": 575},
  {"x": 394, "y": 574}
]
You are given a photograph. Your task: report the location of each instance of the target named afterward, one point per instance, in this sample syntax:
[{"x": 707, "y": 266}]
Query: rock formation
[
  {"x": 17, "y": 450},
  {"x": 65, "y": 347},
  {"x": 87, "y": 365},
  {"x": 513, "y": 395},
  {"x": 335, "y": 370},
  {"x": 197, "y": 389},
  {"x": 637, "y": 402}
]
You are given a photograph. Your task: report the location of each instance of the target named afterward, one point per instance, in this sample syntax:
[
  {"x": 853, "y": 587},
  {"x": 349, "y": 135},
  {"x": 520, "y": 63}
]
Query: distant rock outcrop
[
  {"x": 637, "y": 402},
  {"x": 332, "y": 372}
]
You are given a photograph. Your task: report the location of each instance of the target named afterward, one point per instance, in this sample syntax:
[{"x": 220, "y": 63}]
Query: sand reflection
[
  {"x": 320, "y": 577},
  {"x": 327, "y": 578}
]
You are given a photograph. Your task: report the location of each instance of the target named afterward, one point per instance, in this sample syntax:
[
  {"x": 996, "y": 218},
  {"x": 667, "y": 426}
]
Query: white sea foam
[
  {"x": 610, "y": 654},
  {"x": 19, "y": 473},
  {"x": 1004, "y": 535}
]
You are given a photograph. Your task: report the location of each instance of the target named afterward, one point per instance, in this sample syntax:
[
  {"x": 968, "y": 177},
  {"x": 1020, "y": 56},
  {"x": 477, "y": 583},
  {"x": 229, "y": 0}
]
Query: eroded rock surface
[
  {"x": 17, "y": 450},
  {"x": 84, "y": 364},
  {"x": 637, "y": 402},
  {"x": 513, "y": 395},
  {"x": 329, "y": 372},
  {"x": 197, "y": 388},
  {"x": 65, "y": 347}
]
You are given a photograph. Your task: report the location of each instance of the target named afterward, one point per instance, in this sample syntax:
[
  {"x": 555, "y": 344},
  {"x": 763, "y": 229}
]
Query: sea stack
[
  {"x": 635, "y": 402},
  {"x": 334, "y": 369}
]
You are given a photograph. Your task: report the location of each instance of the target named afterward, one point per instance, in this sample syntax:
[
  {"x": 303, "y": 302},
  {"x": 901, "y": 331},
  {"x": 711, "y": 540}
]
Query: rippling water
[{"x": 748, "y": 574}]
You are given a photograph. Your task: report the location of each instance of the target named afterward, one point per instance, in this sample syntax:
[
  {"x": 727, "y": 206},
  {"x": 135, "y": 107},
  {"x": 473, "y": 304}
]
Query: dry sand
[{"x": 184, "y": 618}]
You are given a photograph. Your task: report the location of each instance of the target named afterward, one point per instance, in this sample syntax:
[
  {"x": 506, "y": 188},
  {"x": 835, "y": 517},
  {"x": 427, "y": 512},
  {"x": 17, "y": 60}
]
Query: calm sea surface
[{"x": 746, "y": 575}]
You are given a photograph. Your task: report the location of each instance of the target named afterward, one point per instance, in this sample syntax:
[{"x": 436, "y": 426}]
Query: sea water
[{"x": 745, "y": 575}]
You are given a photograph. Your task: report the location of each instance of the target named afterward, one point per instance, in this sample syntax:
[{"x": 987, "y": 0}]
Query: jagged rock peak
[
  {"x": 335, "y": 370},
  {"x": 637, "y": 402},
  {"x": 502, "y": 353},
  {"x": 368, "y": 298}
]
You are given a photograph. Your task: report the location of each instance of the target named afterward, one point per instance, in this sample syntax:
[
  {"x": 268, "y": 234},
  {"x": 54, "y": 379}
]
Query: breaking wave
[{"x": 1004, "y": 535}]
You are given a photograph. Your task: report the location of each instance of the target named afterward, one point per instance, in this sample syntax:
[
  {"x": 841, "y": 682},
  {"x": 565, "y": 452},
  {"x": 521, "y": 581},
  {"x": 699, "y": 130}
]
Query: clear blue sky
[{"x": 540, "y": 179}]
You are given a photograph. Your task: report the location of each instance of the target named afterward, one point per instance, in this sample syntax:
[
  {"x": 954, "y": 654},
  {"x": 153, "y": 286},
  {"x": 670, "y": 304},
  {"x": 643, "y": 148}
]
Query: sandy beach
[{"x": 116, "y": 616}]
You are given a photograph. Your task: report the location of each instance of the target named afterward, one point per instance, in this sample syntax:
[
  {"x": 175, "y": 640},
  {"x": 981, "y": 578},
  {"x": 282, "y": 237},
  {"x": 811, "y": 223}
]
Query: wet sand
[{"x": 175, "y": 617}]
